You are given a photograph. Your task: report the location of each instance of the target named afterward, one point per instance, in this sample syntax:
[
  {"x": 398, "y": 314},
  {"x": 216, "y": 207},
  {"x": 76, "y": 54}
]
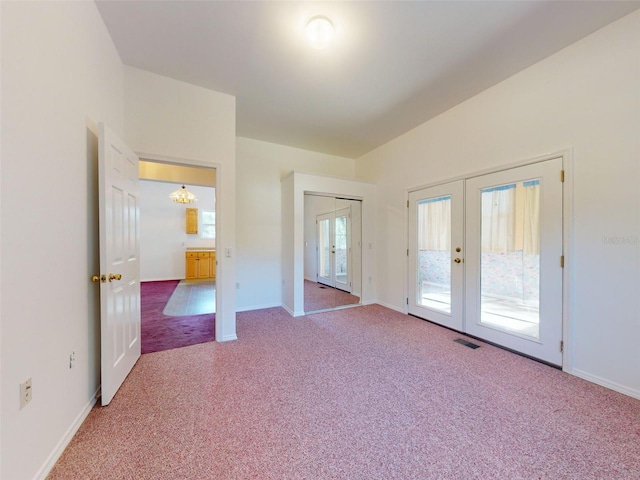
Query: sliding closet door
[
  {"x": 326, "y": 249},
  {"x": 513, "y": 259},
  {"x": 342, "y": 242},
  {"x": 436, "y": 266}
]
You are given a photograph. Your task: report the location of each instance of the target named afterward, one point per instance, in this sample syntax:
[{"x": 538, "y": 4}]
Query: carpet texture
[
  {"x": 160, "y": 332},
  {"x": 321, "y": 297},
  {"x": 361, "y": 393}
]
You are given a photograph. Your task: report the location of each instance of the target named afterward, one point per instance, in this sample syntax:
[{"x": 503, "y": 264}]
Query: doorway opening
[{"x": 177, "y": 256}]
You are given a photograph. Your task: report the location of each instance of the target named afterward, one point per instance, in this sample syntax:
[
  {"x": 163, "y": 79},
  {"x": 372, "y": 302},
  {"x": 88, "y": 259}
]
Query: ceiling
[{"x": 392, "y": 66}]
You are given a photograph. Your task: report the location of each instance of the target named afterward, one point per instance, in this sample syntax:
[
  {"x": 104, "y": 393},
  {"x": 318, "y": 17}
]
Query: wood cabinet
[
  {"x": 192, "y": 220},
  {"x": 200, "y": 265}
]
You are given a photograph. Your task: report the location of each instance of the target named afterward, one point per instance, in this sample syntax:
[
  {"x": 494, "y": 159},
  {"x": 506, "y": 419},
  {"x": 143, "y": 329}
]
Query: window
[{"x": 208, "y": 223}]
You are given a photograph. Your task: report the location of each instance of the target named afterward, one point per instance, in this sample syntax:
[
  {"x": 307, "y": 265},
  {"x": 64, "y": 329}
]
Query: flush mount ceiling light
[
  {"x": 319, "y": 32},
  {"x": 182, "y": 195}
]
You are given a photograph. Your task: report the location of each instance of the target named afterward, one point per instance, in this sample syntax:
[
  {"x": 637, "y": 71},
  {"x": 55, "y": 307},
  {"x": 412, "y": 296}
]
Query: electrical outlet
[
  {"x": 25, "y": 392},
  {"x": 227, "y": 252},
  {"x": 72, "y": 360}
]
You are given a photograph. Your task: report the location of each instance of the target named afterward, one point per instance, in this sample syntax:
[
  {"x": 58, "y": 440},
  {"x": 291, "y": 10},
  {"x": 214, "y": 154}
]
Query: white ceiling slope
[{"x": 393, "y": 64}]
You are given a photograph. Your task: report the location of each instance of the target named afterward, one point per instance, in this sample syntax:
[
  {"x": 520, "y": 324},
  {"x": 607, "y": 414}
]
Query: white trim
[
  {"x": 605, "y": 383},
  {"x": 258, "y": 307},
  {"x": 222, "y": 305},
  {"x": 567, "y": 250},
  {"x": 227, "y": 338},
  {"x": 389, "y": 306},
  {"x": 485, "y": 171},
  {"x": 57, "y": 452}
]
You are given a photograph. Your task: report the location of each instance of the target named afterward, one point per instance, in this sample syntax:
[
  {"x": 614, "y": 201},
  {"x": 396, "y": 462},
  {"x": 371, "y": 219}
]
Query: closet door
[
  {"x": 326, "y": 249},
  {"x": 436, "y": 257}
]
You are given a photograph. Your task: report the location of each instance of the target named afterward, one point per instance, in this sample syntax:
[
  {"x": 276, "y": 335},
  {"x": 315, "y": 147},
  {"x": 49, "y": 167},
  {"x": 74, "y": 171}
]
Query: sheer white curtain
[
  {"x": 498, "y": 219},
  {"x": 434, "y": 224},
  {"x": 511, "y": 218},
  {"x": 531, "y": 218}
]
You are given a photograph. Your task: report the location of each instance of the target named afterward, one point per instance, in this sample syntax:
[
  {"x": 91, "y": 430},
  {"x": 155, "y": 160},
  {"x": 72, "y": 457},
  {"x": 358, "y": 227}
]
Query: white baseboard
[
  {"x": 66, "y": 439},
  {"x": 392, "y": 307},
  {"x": 227, "y": 338},
  {"x": 258, "y": 307},
  {"x": 603, "y": 382}
]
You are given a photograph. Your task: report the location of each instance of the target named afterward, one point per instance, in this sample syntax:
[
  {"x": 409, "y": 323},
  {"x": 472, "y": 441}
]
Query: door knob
[
  {"x": 115, "y": 276},
  {"x": 99, "y": 278},
  {"x": 457, "y": 260}
]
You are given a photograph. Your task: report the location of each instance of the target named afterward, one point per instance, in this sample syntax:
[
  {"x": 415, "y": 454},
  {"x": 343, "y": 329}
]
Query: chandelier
[{"x": 182, "y": 195}]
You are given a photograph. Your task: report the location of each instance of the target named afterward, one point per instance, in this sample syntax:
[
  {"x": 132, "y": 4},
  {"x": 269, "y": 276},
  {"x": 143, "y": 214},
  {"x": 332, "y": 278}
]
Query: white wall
[
  {"x": 260, "y": 167},
  {"x": 169, "y": 119},
  {"x": 61, "y": 75},
  {"x": 163, "y": 236},
  {"x": 586, "y": 97}
]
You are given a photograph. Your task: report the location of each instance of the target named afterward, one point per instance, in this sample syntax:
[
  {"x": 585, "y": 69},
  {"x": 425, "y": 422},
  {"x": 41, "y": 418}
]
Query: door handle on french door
[{"x": 457, "y": 260}]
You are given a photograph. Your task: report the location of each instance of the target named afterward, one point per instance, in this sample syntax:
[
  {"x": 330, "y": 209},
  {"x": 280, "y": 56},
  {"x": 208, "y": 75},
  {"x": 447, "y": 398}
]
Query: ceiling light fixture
[
  {"x": 319, "y": 32},
  {"x": 182, "y": 195}
]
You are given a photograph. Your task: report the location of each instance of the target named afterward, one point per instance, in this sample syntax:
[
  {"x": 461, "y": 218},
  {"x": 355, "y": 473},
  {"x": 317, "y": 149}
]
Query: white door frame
[
  {"x": 225, "y": 325},
  {"x": 567, "y": 237}
]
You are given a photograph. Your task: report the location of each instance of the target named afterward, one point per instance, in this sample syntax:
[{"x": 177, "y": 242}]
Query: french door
[
  {"x": 334, "y": 249},
  {"x": 510, "y": 260},
  {"x": 436, "y": 239}
]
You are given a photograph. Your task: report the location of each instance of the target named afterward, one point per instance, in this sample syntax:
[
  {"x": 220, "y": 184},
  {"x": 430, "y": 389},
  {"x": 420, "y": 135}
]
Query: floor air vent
[{"x": 466, "y": 344}]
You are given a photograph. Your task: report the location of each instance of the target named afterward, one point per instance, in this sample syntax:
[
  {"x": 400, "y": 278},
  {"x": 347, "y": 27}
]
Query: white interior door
[
  {"x": 119, "y": 261},
  {"x": 436, "y": 268},
  {"x": 513, "y": 261}
]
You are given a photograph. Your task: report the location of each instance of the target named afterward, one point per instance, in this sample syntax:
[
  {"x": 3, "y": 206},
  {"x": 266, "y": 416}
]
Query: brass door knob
[
  {"x": 457, "y": 260},
  {"x": 99, "y": 278},
  {"x": 114, "y": 276}
]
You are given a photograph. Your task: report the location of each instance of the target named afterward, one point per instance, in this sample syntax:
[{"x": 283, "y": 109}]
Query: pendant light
[{"x": 182, "y": 195}]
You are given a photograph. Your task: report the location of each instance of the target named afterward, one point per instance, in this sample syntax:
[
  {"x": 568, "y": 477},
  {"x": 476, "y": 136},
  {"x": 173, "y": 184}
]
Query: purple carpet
[
  {"x": 160, "y": 332},
  {"x": 363, "y": 393}
]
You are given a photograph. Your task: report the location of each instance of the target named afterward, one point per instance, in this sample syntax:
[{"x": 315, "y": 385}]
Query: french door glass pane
[
  {"x": 434, "y": 253},
  {"x": 341, "y": 249},
  {"x": 510, "y": 258}
]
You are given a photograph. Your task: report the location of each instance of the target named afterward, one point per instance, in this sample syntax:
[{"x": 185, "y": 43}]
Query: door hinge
[
  {"x": 561, "y": 346},
  {"x": 562, "y": 261},
  {"x": 407, "y": 252},
  {"x": 562, "y": 176},
  {"x": 407, "y": 203},
  {"x": 407, "y": 300}
]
